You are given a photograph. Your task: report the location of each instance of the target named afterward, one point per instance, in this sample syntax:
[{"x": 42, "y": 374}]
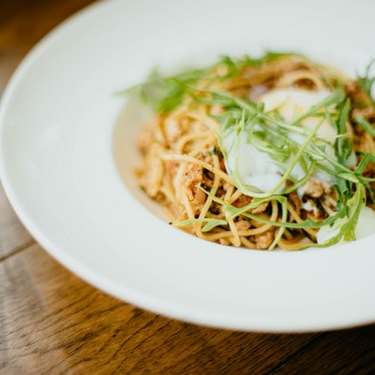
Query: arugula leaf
[
  {"x": 213, "y": 224},
  {"x": 238, "y": 108},
  {"x": 367, "y": 81},
  {"x": 268, "y": 56},
  {"x": 356, "y": 203},
  {"x": 343, "y": 147},
  {"x": 349, "y": 177},
  {"x": 164, "y": 94},
  {"x": 365, "y": 125},
  {"x": 235, "y": 66},
  {"x": 344, "y": 228},
  {"x": 233, "y": 212},
  {"x": 343, "y": 191},
  {"x": 308, "y": 223},
  {"x": 366, "y": 159}
]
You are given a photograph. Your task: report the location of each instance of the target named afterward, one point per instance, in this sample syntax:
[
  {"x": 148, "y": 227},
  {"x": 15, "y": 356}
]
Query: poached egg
[{"x": 259, "y": 169}]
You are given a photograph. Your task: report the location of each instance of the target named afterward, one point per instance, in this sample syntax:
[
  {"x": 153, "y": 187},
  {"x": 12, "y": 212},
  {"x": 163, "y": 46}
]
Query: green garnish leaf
[
  {"x": 349, "y": 177},
  {"x": 343, "y": 146},
  {"x": 356, "y": 204},
  {"x": 164, "y": 94},
  {"x": 367, "y": 81},
  {"x": 211, "y": 224},
  {"x": 365, "y": 125},
  {"x": 234, "y": 67},
  {"x": 268, "y": 56},
  {"x": 366, "y": 159}
]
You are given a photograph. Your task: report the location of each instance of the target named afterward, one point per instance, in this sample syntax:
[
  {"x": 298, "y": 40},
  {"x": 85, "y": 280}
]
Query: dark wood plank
[
  {"x": 13, "y": 236},
  {"x": 51, "y": 322},
  {"x": 8, "y": 63},
  {"x": 24, "y": 22},
  {"x": 345, "y": 352}
]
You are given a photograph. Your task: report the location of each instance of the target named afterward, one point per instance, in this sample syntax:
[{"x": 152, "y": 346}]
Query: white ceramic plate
[{"x": 57, "y": 121}]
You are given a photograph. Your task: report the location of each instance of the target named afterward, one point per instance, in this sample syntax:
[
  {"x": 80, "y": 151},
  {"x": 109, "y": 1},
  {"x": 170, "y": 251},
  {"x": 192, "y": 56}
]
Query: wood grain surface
[{"x": 53, "y": 323}]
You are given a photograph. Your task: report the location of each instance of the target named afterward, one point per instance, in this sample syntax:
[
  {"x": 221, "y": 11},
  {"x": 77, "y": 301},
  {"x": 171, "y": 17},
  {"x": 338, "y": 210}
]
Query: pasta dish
[{"x": 276, "y": 151}]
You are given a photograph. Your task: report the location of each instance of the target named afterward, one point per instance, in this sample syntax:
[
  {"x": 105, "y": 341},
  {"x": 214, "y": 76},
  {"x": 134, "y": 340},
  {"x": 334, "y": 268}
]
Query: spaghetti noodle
[{"x": 318, "y": 162}]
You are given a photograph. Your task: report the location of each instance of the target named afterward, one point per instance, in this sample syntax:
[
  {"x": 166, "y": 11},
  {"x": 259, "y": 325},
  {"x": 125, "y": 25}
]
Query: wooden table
[{"x": 51, "y": 322}]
